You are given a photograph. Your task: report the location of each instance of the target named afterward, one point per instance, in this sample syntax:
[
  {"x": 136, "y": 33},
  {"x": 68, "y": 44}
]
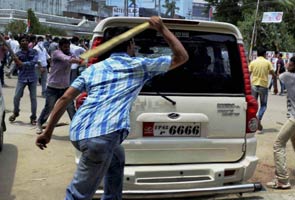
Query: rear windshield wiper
[
  {"x": 156, "y": 89},
  {"x": 165, "y": 97}
]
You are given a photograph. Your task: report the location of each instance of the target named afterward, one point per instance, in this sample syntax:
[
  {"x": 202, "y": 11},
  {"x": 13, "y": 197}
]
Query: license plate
[{"x": 160, "y": 129}]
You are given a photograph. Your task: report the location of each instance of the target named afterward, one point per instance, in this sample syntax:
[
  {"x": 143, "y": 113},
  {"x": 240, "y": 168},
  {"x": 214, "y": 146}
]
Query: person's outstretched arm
[
  {"x": 180, "y": 55},
  {"x": 58, "y": 110}
]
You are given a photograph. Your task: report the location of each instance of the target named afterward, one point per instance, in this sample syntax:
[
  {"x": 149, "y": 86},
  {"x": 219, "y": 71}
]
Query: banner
[{"x": 272, "y": 17}]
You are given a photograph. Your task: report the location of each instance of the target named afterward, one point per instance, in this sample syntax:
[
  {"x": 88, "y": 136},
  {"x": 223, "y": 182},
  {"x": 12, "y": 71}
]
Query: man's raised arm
[{"x": 180, "y": 55}]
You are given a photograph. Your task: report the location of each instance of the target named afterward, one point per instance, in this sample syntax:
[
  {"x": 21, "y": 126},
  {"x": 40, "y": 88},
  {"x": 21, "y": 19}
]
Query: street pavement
[{"x": 27, "y": 173}]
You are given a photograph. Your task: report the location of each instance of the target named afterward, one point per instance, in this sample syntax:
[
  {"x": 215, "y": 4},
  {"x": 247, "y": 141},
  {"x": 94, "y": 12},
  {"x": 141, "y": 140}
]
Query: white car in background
[
  {"x": 2, "y": 118},
  {"x": 193, "y": 128}
]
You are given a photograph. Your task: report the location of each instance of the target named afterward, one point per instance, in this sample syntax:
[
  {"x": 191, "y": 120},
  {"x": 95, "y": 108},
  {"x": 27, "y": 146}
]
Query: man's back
[
  {"x": 117, "y": 81},
  {"x": 76, "y": 51},
  {"x": 281, "y": 66},
  {"x": 42, "y": 54},
  {"x": 59, "y": 76},
  {"x": 260, "y": 69}
]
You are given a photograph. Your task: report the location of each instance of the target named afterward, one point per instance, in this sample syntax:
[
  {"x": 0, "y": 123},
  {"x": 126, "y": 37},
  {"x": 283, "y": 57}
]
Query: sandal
[
  {"x": 275, "y": 184},
  {"x": 13, "y": 117}
]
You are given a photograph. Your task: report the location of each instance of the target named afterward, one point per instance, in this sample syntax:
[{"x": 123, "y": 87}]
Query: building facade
[
  {"x": 202, "y": 10},
  {"x": 53, "y": 7},
  {"x": 183, "y": 7},
  {"x": 94, "y": 9},
  {"x": 86, "y": 13},
  {"x": 90, "y": 9}
]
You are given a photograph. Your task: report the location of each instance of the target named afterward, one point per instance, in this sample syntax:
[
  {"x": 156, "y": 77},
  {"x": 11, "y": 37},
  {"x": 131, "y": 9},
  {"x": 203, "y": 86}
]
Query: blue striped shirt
[{"x": 112, "y": 86}]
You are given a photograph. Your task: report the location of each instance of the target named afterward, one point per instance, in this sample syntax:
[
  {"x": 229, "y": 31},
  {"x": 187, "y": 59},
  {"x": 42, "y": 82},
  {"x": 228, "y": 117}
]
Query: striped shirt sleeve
[
  {"x": 156, "y": 66},
  {"x": 80, "y": 82}
]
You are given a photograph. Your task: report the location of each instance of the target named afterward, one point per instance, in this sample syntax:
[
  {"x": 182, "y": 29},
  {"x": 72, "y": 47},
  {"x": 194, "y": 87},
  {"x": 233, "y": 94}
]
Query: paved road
[{"x": 27, "y": 173}]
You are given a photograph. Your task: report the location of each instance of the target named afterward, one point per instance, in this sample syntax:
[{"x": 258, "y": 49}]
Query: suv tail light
[
  {"x": 96, "y": 42},
  {"x": 252, "y": 106}
]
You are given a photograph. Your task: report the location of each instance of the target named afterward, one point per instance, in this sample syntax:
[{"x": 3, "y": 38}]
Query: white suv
[{"x": 192, "y": 129}]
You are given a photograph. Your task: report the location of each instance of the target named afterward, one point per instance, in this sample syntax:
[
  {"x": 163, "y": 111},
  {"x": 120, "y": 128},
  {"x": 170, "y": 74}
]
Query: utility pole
[
  {"x": 159, "y": 9},
  {"x": 134, "y": 8},
  {"x": 126, "y": 8},
  {"x": 253, "y": 32}
]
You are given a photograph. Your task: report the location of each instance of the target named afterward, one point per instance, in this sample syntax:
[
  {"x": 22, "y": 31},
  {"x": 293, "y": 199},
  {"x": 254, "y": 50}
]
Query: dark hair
[
  {"x": 23, "y": 37},
  {"x": 75, "y": 39},
  {"x": 40, "y": 38},
  {"x": 292, "y": 59},
  {"x": 63, "y": 41},
  {"x": 261, "y": 51},
  {"x": 56, "y": 39},
  {"x": 32, "y": 38},
  {"x": 48, "y": 36},
  {"x": 112, "y": 32}
]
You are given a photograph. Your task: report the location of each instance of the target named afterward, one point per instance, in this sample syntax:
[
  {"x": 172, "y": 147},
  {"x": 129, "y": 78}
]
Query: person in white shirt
[
  {"x": 14, "y": 45},
  {"x": 76, "y": 51},
  {"x": 41, "y": 67}
]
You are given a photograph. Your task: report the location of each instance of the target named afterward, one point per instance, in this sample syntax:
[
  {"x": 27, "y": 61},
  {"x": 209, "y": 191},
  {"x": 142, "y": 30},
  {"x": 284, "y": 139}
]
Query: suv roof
[{"x": 218, "y": 27}]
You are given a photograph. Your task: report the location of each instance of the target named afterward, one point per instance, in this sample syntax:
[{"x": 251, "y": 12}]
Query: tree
[
  {"x": 19, "y": 26},
  {"x": 273, "y": 36},
  {"x": 35, "y": 25},
  {"x": 170, "y": 8},
  {"x": 227, "y": 10},
  {"x": 15, "y": 27},
  {"x": 242, "y": 14},
  {"x": 287, "y": 3}
]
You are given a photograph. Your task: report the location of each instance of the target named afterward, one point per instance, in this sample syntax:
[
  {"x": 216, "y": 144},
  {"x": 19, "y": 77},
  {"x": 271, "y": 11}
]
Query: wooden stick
[{"x": 115, "y": 41}]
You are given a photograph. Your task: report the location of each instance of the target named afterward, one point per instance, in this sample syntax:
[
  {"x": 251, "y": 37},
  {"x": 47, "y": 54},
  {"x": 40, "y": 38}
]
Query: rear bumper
[
  {"x": 160, "y": 194},
  {"x": 189, "y": 180},
  {"x": 188, "y": 176},
  {"x": 175, "y": 181}
]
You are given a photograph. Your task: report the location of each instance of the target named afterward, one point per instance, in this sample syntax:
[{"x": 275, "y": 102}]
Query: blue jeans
[
  {"x": 262, "y": 93},
  {"x": 52, "y": 95},
  {"x": 102, "y": 157},
  {"x": 43, "y": 78},
  {"x": 2, "y": 65},
  {"x": 19, "y": 92},
  {"x": 282, "y": 87}
]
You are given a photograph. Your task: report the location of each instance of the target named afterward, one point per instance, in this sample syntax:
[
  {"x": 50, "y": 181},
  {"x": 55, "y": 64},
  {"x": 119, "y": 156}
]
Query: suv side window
[{"x": 214, "y": 64}]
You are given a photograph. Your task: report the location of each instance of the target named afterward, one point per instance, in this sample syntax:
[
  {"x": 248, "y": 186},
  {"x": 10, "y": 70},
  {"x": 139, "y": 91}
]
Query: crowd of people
[
  {"x": 44, "y": 60},
  {"x": 54, "y": 63},
  {"x": 259, "y": 69},
  {"x": 46, "y": 43}
]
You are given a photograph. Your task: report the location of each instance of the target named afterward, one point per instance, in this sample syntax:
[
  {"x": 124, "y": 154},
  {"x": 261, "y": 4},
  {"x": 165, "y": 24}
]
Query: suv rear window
[{"x": 214, "y": 65}]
